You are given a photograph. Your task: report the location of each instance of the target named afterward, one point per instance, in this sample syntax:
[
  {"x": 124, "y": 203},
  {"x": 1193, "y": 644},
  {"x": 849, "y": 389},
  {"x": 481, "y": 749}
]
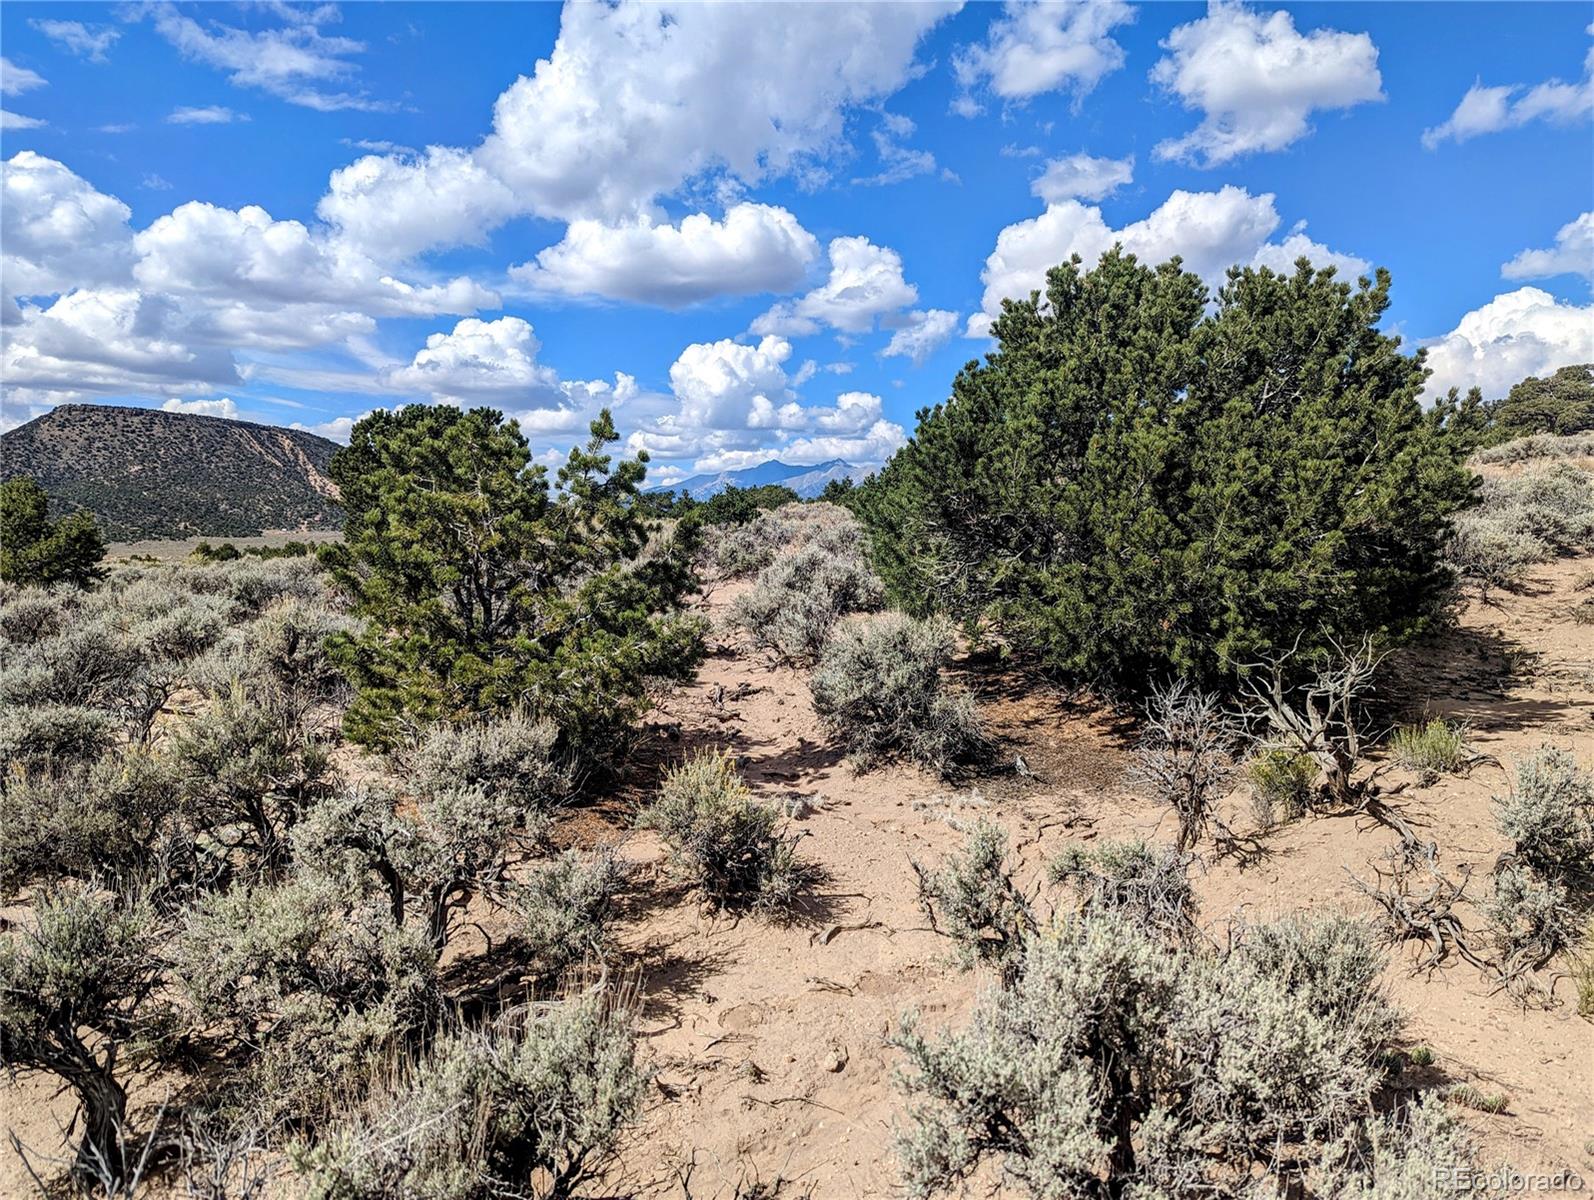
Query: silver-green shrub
[
  {"x": 313, "y": 983},
  {"x": 1149, "y": 884},
  {"x": 878, "y": 689},
  {"x": 533, "y": 1104},
  {"x": 799, "y": 597},
  {"x": 1118, "y": 1063},
  {"x": 724, "y": 843},
  {"x": 510, "y": 756},
  {"x": 563, "y": 910},
  {"x": 973, "y": 900}
]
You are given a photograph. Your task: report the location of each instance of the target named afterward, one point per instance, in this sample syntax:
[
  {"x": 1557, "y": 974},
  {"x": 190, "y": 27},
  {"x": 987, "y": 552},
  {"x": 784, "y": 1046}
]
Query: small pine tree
[{"x": 34, "y": 549}]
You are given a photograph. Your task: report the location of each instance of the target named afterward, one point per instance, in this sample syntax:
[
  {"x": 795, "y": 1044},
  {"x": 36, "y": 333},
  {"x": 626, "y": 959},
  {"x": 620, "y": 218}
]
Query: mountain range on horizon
[{"x": 806, "y": 481}]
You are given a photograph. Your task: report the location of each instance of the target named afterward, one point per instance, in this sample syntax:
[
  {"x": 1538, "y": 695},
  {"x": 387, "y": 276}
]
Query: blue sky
[{"x": 750, "y": 230}]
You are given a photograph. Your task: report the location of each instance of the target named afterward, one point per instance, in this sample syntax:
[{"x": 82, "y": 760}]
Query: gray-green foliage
[
  {"x": 726, "y": 844},
  {"x": 878, "y": 689},
  {"x": 79, "y": 999},
  {"x": 563, "y": 909},
  {"x": 1543, "y": 888},
  {"x": 107, "y": 820},
  {"x": 427, "y": 863},
  {"x": 1118, "y": 1063},
  {"x": 531, "y": 1105},
  {"x": 1149, "y": 884},
  {"x": 511, "y": 756},
  {"x": 1415, "y": 1153},
  {"x": 1549, "y": 815},
  {"x": 797, "y": 599},
  {"x": 973, "y": 900},
  {"x": 1522, "y": 520},
  {"x": 317, "y": 982}
]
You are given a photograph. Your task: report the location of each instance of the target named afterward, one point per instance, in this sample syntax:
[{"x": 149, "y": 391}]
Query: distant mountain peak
[
  {"x": 145, "y": 473},
  {"x": 807, "y": 480}
]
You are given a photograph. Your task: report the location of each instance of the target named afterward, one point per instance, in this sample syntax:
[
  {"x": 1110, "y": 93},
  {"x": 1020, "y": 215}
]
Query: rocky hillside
[{"x": 151, "y": 474}]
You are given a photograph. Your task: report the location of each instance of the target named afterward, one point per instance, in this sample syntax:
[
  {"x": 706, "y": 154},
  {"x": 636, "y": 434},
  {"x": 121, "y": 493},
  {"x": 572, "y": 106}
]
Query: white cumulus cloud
[
  {"x": 1210, "y": 231},
  {"x": 1517, "y": 334},
  {"x": 1489, "y": 109},
  {"x": 1042, "y": 47},
  {"x": 1572, "y": 254},
  {"x": 1082, "y": 177},
  {"x": 222, "y": 407},
  {"x": 1256, "y": 80},
  {"x": 754, "y": 248},
  {"x": 90, "y": 42},
  {"x": 865, "y": 283},
  {"x": 926, "y": 332}
]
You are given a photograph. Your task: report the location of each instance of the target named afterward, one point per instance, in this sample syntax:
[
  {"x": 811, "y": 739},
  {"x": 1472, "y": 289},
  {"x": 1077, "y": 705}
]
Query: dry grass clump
[
  {"x": 726, "y": 844},
  {"x": 878, "y": 688},
  {"x": 1281, "y": 781},
  {"x": 1437, "y": 747}
]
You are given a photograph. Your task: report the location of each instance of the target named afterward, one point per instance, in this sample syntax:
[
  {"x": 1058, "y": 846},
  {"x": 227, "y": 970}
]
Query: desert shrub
[
  {"x": 1281, "y": 781},
  {"x": 511, "y": 756},
  {"x": 1538, "y": 446},
  {"x": 39, "y": 735},
  {"x": 1549, "y": 815},
  {"x": 1119, "y": 1063},
  {"x": 973, "y": 899},
  {"x": 728, "y": 845},
  {"x": 78, "y": 1000},
  {"x": 1075, "y": 497},
  {"x": 1185, "y": 756},
  {"x": 1437, "y": 747},
  {"x": 732, "y": 551},
  {"x": 531, "y": 1105},
  {"x": 1492, "y": 553},
  {"x": 34, "y": 549},
  {"x": 248, "y": 780},
  {"x": 1415, "y": 1153},
  {"x": 1318, "y": 707},
  {"x": 282, "y": 659},
  {"x": 1583, "y": 614},
  {"x": 105, "y": 820},
  {"x": 428, "y": 863},
  {"x": 481, "y": 589},
  {"x": 1543, "y": 887},
  {"x": 1330, "y": 963},
  {"x": 90, "y": 664},
  {"x": 30, "y": 615},
  {"x": 1148, "y": 884},
  {"x": 1522, "y": 520},
  {"x": 563, "y": 909},
  {"x": 314, "y": 983},
  {"x": 799, "y": 597},
  {"x": 1532, "y": 918},
  {"x": 878, "y": 688}
]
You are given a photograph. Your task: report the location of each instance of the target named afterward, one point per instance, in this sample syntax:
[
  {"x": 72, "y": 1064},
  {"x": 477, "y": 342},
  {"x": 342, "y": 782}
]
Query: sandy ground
[{"x": 768, "y": 1040}]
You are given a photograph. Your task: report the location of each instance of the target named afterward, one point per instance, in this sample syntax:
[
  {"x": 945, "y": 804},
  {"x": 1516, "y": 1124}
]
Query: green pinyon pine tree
[
  {"x": 1136, "y": 483},
  {"x": 485, "y": 589},
  {"x": 35, "y": 549}
]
